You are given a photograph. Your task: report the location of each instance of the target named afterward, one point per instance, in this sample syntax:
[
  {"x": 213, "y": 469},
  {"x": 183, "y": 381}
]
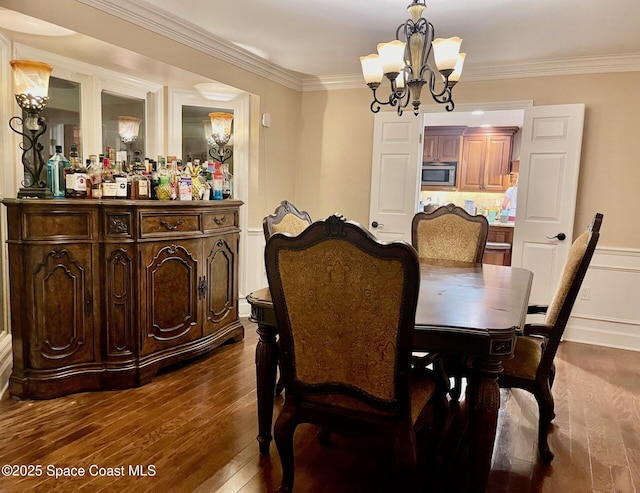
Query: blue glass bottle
[{"x": 55, "y": 173}]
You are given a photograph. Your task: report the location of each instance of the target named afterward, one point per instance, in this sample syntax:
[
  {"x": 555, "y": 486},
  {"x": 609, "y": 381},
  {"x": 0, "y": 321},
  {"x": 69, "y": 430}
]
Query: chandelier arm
[{"x": 376, "y": 104}]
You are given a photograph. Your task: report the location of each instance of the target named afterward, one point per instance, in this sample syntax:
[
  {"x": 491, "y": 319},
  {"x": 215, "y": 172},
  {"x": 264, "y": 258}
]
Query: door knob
[
  {"x": 560, "y": 236},
  {"x": 375, "y": 224}
]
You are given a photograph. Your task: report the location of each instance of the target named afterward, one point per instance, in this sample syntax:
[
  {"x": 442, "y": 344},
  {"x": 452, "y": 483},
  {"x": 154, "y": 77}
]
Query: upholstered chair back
[
  {"x": 286, "y": 219},
  {"x": 573, "y": 272},
  {"x": 449, "y": 233},
  {"x": 348, "y": 305}
]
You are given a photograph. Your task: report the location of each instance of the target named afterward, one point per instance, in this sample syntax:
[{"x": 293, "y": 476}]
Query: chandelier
[{"x": 405, "y": 62}]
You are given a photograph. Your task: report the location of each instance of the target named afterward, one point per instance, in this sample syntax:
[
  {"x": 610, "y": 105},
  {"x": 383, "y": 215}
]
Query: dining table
[{"x": 468, "y": 311}]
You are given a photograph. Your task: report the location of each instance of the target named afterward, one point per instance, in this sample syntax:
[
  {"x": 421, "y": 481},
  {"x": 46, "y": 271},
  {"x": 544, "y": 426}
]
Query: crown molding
[
  {"x": 549, "y": 68},
  {"x": 197, "y": 38}
]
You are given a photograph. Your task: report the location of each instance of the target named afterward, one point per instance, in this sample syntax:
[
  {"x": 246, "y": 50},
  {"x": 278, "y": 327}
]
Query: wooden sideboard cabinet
[{"x": 104, "y": 293}]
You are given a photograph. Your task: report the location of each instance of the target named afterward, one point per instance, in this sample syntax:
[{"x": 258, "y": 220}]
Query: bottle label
[
  {"x": 81, "y": 182},
  {"x": 143, "y": 189},
  {"x": 76, "y": 181},
  {"x": 109, "y": 189},
  {"x": 185, "y": 188},
  {"x": 121, "y": 183}
]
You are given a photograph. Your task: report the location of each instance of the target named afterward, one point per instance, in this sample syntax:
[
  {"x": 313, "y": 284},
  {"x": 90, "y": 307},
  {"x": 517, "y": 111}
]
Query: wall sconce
[
  {"x": 220, "y": 135},
  {"x": 31, "y": 82},
  {"x": 128, "y": 127}
]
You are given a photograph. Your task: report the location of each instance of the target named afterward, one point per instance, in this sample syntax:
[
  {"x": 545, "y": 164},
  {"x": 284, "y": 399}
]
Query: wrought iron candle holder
[{"x": 31, "y": 81}]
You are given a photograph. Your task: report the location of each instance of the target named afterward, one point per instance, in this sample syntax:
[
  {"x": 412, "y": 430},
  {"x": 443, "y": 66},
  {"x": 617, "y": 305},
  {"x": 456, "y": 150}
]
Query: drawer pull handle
[
  {"x": 168, "y": 226},
  {"x": 219, "y": 221}
]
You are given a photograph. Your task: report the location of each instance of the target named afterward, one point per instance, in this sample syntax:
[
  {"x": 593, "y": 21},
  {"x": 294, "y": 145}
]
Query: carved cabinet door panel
[
  {"x": 60, "y": 304},
  {"x": 221, "y": 274},
  {"x": 119, "y": 303},
  {"x": 169, "y": 302}
]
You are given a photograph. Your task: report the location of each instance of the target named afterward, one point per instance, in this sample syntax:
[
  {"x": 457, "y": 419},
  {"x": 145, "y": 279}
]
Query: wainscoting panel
[
  {"x": 611, "y": 315},
  {"x": 255, "y": 276}
]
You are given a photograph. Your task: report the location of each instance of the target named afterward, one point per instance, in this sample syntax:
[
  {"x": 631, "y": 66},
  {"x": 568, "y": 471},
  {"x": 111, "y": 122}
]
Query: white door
[
  {"x": 395, "y": 174},
  {"x": 547, "y": 187}
]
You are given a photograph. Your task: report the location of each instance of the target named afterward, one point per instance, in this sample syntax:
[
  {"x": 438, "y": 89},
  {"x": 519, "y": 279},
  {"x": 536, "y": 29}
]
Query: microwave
[{"x": 439, "y": 174}]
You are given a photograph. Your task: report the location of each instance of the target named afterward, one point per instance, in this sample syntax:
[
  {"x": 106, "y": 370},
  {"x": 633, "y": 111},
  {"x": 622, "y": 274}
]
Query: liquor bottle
[
  {"x": 55, "y": 173},
  {"x": 154, "y": 180},
  {"x": 218, "y": 179},
  {"x": 139, "y": 183},
  {"x": 75, "y": 179},
  {"x": 109, "y": 187},
  {"x": 94, "y": 172},
  {"x": 74, "y": 156},
  {"x": 120, "y": 177},
  {"x": 227, "y": 182}
]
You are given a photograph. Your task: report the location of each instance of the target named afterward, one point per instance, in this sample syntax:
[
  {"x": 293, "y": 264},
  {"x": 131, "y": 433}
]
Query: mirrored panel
[
  {"x": 123, "y": 124},
  {"x": 63, "y": 117},
  {"x": 197, "y": 141}
]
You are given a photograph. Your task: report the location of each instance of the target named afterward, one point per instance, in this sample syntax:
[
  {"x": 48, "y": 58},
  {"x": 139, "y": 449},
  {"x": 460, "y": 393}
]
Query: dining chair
[
  {"x": 532, "y": 367},
  {"x": 285, "y": 219},
  {"x": 345, "y": 309},
  {"x": 449, "y": 233}
]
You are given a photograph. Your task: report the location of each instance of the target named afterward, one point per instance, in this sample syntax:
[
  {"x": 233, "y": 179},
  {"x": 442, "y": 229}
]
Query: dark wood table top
[
  {"x": 471, "y": 308},
  {"x": 465, "y": 298}
]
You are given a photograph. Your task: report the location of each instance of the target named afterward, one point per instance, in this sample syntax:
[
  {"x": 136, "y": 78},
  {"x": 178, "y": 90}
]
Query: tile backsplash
[{"x": 483, "y": 200}]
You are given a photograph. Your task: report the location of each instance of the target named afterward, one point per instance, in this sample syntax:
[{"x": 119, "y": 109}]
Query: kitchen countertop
[{"x": 509, "y": 224}]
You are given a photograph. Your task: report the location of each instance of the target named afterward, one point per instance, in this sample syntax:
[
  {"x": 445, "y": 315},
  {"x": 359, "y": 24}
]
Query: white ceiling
[
  {"x": 325, "y": 38},
  {"x": 300, "y": 43}
]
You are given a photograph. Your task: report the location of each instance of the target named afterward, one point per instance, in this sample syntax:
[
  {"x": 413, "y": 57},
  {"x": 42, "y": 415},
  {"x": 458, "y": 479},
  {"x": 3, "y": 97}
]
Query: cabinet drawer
[
  {"x": 169, "y": 224},
  {"x": 58, "y": 224},
  {"x": 219, "y": 220}
]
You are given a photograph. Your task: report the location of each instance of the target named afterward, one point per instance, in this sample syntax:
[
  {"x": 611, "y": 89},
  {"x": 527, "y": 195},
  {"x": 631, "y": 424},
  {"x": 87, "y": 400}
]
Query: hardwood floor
[{"x": 193, "y": 429}]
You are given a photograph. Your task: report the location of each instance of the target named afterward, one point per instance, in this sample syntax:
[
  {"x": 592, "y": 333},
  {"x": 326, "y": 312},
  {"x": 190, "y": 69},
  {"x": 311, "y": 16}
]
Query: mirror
[
  {"x": 63, "y": 117},
  {"x": 119, "y": 128},
  {"x": 195, "y": 124}
]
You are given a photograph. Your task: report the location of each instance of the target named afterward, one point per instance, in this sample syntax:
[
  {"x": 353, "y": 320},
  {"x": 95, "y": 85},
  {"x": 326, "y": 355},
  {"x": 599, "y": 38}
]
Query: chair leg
[
  {"x": 280, "y": 384},
  {"x": 283, "y": 431},
  {"x": 406, "y": 458},
  {"x": 546, "y": 414}
]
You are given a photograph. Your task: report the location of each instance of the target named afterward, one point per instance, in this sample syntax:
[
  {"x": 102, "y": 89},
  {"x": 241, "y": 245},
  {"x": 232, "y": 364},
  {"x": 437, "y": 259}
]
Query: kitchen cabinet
[
  {"x": 441, "y": 144},
  {"x": 105, "y": 293},
  {"x": 485, "y": 159},
  {"x": 499, "y": 245}
]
